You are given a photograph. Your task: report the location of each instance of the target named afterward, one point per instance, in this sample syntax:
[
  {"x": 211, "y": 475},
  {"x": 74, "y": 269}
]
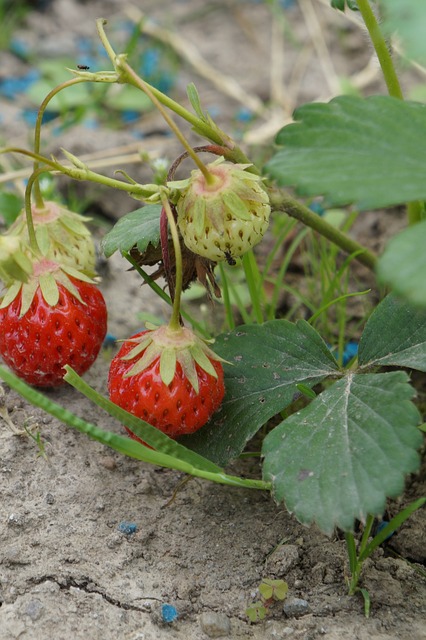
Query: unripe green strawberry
[
  {"x": 61, "y": 234},
  {"x": 222, "y": 218}
]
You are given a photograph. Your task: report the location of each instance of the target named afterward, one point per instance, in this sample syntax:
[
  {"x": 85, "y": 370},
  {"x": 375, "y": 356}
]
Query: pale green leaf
[
  {"x": 369, "y": 152},
  {"x": 402, "y": 266},
  {"x": 341, "y": 457},
  {"x": 395, "y": 334},
  {"x": 407, "y": 19}
]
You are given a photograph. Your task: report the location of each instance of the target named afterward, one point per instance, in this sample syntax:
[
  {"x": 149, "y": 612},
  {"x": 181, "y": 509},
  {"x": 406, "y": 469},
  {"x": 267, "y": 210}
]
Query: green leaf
[
  {"x": 10, "y": 207},
  {"x": 395, "y": 334},
  {"x": 140, "y": 227},
  {"x": 402, "y": 266},
  {"x": 194, "y": 99},
  {"x": 351, "y": 151},
  {"x": 407, "y": 18},
  {"x": 267, "y": 363},
  {"x": 338, "y": 459}
]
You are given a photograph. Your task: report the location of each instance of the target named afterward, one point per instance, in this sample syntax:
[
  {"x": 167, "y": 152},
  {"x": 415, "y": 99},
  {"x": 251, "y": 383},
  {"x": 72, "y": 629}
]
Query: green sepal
[
  {"x": 49, "y": 288},
  {"x": 42, "y": 237},
  {"x": 199, "y": 215},
  {"x": 186, "y": 361},
  {"x": 151, "y": 353},
  {"x": 200, "y": 357},
  {"x": 11, "y": 294},
  {"x": 139, "y": 348},
  {"x": 28, "y": 293},
  {"x": 78, "y": 275},
  {"x": 167, "y": 365},
  {"x": 236, "y": 205}
]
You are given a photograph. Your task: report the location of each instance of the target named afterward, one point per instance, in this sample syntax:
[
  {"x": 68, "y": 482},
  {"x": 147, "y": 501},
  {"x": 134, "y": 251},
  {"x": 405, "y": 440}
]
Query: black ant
[
  {"x": 82, "y": 67},
  {"x": 229, "y": 259}
]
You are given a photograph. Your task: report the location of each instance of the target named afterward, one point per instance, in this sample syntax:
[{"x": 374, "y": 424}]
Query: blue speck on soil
[
  {"x": 168, "y": 613},
  {"x": 127, "y": 527}
]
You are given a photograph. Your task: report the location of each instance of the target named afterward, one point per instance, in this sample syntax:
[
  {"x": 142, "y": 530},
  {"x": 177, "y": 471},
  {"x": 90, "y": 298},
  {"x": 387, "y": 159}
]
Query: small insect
[
  {"x": 229, "y": 259},
  {"x": 82, "y": 67}
]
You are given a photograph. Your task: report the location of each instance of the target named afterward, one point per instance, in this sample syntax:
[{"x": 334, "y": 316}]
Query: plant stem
[
  {"x": 252, "y": 274},
  {"x": 174, "y": 322},
  {"x": 282, "y": 201},
  {"x": 37, "y": 131},
  {"x": 381, "y": 48},
  {"x": 141, "y": 84},
  {"x": 203, "y": 127},
  {"x": 32, "y": 180}
]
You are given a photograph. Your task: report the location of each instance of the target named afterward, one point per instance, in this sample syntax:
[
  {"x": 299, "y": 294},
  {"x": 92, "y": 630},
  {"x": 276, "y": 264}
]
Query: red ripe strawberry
[
  {"x": 169, "y": 378},
  {"x": 52, "y": 321}
]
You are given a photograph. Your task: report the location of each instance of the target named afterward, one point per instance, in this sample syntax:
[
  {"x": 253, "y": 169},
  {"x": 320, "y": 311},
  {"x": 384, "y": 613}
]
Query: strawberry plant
[{"x": 338, "y": 437}]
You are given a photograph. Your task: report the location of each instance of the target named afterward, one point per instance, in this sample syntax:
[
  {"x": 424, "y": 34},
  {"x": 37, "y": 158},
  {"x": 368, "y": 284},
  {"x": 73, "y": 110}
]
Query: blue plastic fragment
[
  {"x": 317, "y": 208},
  {"x": 351, "y": 350},
  {"x": 244, "y": 115},
  {"x": 12, "y": 86},
  {"x": 109, "y": 341},
  {"x": 169, "y": 613},
  {"x": 382, "y": 525},
  {"x": 128, "y": 528}
]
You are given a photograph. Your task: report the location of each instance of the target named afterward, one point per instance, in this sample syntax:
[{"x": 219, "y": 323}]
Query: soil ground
[{"x": 66, "y": 568}]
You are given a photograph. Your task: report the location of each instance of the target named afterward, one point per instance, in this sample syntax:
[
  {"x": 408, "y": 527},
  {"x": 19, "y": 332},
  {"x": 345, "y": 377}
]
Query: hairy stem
[{"x": 381, "y": 48}]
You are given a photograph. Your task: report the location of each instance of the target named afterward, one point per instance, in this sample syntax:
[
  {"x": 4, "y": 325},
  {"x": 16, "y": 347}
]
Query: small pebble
[
  {"x": 108, "y": 462},
  {"x": 295, "y": 607},
  {"x": 215, "y": 625},
  {"x": 34, "y": 609},
  {"x": 50, "y": 498},
  {"x": 127, "y": 527}
]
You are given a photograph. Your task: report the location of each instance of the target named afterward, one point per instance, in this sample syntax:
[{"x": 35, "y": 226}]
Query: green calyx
[
  {"x": 172, "y": 346},
  {"x": 61, "y": 235},
  {"x": 14, "y": 264},
  {"x": 46, "y": 275}
]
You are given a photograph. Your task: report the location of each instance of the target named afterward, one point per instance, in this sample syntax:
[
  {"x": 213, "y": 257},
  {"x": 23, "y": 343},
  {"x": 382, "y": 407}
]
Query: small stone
[
  {"x": 34, "y": 609},
  {"x": 215, "y": 625},
  {"x": 50, "y": 498},
  {"x": 295, "y": 607},
  {"x": 16, "y": 520},
  {"x": 108, "y": 462}
]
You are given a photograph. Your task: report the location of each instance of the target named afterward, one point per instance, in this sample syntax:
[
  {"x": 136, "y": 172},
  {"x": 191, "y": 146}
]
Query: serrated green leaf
[
  {"x": 407, "y": 19},
  {"x": 369, "y": 152},
  {"x": 395, "y": 334},
  {"x": 268, "y": 361},
  {"x": 402, "y": 266},
  {"x": 140, "y": 228},
  {"x": 338, "y": 459}
]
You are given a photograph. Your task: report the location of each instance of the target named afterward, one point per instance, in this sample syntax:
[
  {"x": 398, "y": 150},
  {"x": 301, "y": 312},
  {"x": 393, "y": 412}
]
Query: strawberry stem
[
  {"x": 174, "y": 322},
  {"x": 32, "y": 180},
  {"x": 37, "y": 132},
  {"x": 141, "y": 84}
]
